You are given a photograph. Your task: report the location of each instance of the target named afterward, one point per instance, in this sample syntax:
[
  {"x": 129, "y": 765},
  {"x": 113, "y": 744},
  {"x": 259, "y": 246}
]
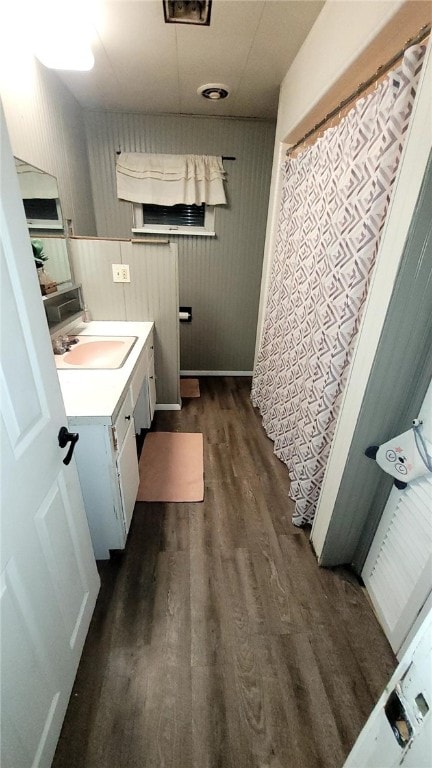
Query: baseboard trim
[
  {"x": 216, "y": 373},
  {"x": 167, "y": 407}
]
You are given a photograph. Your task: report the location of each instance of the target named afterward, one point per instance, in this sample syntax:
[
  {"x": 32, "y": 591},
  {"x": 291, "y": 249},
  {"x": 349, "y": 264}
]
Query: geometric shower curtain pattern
[{"x": 334, "y": 203}]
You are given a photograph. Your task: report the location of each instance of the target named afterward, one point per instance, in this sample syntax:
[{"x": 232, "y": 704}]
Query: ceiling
[{"x": 145, "y": 65}]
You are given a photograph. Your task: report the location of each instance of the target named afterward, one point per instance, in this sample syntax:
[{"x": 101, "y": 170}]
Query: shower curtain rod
[
  {"x": 424, "y": 32},
  {"x": 224, "y": 157}
]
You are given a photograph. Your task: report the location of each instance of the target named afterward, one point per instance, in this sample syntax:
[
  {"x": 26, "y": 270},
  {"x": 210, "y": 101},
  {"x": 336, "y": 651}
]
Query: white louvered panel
[
  {"x": 418, "y": 507},
  {"x": 411, "y": 544},
  {"x": 405, "y": 549},
  {"x": 384, "y": 590},
  {"x": 386, "y": 581},
  {"x": 398, "y": 571}
]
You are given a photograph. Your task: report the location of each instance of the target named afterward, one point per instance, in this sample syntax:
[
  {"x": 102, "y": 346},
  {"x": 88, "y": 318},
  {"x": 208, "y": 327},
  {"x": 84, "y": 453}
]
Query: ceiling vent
[
  {"x": 187, "y": 12},
  {"x": 214, "y": 91}
]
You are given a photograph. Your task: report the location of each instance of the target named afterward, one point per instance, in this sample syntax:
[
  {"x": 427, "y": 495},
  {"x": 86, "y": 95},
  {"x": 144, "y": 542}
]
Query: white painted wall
[
  {"x": 342, "y": 31},
  {"x": 46, "y": 126}
]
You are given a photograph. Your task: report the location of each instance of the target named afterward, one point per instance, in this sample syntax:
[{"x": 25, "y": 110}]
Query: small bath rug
[
  {"x": 189, "y": 388},
  {"x": 172, "y": 467}
]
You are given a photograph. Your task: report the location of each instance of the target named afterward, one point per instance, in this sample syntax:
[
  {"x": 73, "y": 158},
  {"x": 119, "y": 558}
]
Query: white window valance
[{"x": 170, "y": 179}]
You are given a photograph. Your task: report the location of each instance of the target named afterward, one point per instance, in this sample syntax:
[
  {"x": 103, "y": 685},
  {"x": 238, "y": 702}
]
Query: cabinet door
[
  {"x": 127, "y": 468},
  {"x": 142, "y": 408}
]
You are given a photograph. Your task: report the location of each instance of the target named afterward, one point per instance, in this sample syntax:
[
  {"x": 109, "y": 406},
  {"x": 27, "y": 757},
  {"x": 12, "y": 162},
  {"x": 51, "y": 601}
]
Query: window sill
[
  {"x": 42, "y": 224},
  {"x": 195, "y": 231}
]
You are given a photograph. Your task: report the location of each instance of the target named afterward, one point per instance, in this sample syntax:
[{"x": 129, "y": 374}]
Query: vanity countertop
[{"x": 96, "y": 394}]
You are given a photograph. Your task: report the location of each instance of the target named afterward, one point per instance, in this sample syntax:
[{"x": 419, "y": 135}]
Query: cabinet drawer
[{"x": 123, "y": 419}]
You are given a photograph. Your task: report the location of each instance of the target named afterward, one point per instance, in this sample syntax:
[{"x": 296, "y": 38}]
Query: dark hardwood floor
[{"x": 217, "y": 641}]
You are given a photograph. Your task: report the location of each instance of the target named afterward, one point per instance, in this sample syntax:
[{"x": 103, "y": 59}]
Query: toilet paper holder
[{"x": 185, "y": 314}]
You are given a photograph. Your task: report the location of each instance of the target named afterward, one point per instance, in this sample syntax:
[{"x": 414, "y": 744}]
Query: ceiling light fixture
[
  {"x": 214, "y": 91},
  {"x": 62, "y": 32},
  {"x": 73, "y": 57},
  {"x": 187, "y": 12}
]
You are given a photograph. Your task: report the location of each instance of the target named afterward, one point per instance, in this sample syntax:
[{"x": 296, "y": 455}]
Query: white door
[
  {"x": 399, "y": 730},
  {"x": 49, "y": 580},
  {"x": 398, "y": 569}
]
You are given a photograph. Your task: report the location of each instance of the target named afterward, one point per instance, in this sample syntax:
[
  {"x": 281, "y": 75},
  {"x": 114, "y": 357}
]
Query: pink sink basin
[{"x": 97, "y": 352}]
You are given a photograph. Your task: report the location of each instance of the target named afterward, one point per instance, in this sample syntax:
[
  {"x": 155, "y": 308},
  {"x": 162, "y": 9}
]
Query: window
[
  {"x": 174, "y": 215},
  {"x": 43, "y": 213},
  {"x": 177, "y": 219}
]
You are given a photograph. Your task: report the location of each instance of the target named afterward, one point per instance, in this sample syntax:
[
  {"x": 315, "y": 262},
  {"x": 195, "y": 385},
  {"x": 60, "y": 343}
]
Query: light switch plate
[{"x": 121, "y": 273}]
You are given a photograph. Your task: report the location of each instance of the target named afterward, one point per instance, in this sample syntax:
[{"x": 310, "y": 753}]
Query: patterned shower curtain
[{"x": 335, "y": 199}]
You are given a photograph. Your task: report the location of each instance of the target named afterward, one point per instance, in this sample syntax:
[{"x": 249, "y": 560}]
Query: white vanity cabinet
[
  {"x": 102, "y": 405},
  {"x": 107, "y": 465}
]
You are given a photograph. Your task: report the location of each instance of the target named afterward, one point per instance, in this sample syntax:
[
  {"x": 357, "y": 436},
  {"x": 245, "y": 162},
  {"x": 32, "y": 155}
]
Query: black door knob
[{"x": 65, "y": 437}]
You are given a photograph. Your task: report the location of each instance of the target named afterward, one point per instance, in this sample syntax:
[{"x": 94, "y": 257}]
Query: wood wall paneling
[
  {"x": 92, "y": 264},
  {"x": 220, "y": 276},
  {"x": 152, "y": 295}
]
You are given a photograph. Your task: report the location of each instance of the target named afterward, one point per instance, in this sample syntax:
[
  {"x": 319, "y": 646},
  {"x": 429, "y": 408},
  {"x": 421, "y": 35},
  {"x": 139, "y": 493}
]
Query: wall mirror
[{"x": 40, "y": 195}]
